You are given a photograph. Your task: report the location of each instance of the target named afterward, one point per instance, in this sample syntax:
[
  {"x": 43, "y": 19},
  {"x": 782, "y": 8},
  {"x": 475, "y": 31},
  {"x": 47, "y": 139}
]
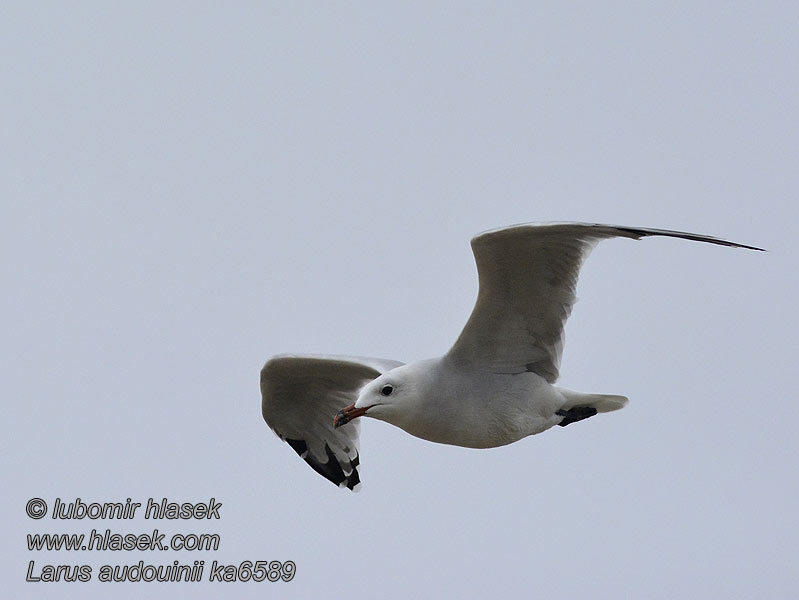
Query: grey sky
[{"x": 189, "y": 189}]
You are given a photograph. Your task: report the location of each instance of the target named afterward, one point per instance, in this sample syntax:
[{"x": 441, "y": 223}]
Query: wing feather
[
  {"x": 528, "y": 278},
  {"x": 300, "y": 396}
]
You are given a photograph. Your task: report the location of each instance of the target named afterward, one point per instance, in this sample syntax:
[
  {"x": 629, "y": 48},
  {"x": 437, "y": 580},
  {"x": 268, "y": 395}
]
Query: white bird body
[
  {"x": 439, "y": 401},
  {"x": 495, "y": 386}
]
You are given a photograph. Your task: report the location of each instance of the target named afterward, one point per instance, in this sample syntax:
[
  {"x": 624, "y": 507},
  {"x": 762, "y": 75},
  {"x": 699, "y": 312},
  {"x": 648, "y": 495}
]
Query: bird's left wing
[{"x": 301, "y": 395}]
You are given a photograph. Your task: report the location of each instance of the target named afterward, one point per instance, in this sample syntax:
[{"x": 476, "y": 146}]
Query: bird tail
[{"x": 601, "y": 402}]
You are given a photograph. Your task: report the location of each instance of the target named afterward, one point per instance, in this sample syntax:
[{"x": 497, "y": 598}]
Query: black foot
[{"x": 578, "y": 413}]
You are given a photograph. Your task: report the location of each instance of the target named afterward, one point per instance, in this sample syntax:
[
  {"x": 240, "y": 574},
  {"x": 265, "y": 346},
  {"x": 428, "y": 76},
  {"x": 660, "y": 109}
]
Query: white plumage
[{"x": 495, "y": 385}]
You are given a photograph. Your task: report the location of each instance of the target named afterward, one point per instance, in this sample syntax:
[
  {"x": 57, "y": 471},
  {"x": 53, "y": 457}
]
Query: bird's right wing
[
  {"x": 301, "y": 395},
  {"x": 528, "y": 277}
]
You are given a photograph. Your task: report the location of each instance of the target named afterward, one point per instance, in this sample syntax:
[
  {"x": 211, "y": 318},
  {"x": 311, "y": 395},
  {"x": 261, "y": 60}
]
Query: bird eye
[{"x": 387, "y": 389}]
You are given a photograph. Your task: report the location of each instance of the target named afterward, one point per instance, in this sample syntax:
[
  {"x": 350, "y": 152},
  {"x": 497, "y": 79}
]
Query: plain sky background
[{"x": 190, "y": 188}]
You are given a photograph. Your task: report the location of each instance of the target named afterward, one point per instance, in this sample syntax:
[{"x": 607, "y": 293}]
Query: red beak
[{"x": 345, "y": 415}]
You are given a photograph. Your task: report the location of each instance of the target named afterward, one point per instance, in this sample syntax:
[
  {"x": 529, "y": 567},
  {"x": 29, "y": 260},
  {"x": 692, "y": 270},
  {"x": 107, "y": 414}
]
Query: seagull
[{"x": 494, "y": 387}]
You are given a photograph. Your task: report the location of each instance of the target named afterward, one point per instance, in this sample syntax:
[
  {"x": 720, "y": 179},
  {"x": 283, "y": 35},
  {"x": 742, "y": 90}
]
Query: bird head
[{"x": 388, "y": 398}]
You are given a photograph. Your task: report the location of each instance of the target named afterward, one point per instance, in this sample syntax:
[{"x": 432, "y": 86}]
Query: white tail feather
[{"x": 601, "y": 402}]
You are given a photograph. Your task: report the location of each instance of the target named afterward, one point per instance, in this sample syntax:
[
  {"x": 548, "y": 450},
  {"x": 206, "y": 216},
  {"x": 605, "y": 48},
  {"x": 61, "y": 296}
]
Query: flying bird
[{"x": 495, "y": 386}]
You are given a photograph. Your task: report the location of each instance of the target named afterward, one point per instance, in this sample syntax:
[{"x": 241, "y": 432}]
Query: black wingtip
[
  {"x": 331, "y": 469},
  {"x": 695, "y": 237}
]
